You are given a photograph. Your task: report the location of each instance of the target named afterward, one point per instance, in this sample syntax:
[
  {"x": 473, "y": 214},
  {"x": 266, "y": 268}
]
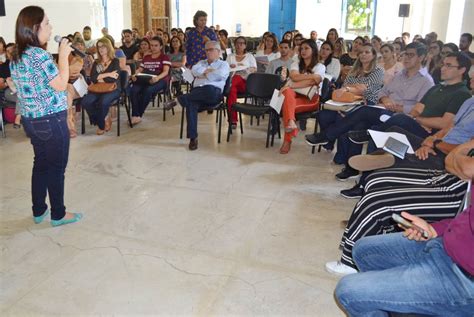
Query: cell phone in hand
[
  {"x": 471, "y": 153},
  {"x": 408, "y": 224}
]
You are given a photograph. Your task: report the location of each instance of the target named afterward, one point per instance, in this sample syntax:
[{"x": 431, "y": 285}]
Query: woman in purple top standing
[{"x": 197, "y": 38}]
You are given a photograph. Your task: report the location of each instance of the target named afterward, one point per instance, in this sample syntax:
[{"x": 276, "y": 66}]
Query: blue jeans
[
  {"x": 199, "y": 99},
  {"x": 49, "y": 136},
  {"x": 405, "y": 276},
  {"x": 141, "y": 96},
  {"x": 97, "y": 106}
]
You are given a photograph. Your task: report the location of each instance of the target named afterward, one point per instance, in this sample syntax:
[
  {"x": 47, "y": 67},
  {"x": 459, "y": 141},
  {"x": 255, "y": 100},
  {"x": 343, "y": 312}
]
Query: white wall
[
  {"x": 311, "y": 15},
  {"x": 251, "y": 14},
  {"x": 68, "y": 16}
]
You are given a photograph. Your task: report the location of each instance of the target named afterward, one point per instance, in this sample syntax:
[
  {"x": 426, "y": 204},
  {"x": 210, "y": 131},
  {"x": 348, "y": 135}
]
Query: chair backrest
[
  {"x": 324, "y": 95},
  {"x": 262, "y": 85},
  {"x": 227, "y": 85},
  {"x": 123, "y": 76}
]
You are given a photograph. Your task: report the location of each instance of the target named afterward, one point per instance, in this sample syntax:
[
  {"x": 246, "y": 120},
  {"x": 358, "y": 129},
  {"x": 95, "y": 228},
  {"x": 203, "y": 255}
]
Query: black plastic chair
[
  {"x": 121, "y": 100},
  {"x": 260, "y": 87},
  {"x": 220, "y": 107}
]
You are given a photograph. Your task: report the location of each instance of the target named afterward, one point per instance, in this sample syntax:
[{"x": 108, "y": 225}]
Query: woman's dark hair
[
  {"x": 241, "y": 38},
  {"x": 452, "y": 46},
  {"x": 198, "y": 15},
  {"x": 158, "y": 39},
  {"x": 181, "y": 32},
  {"x": 303, "y": 68},
  {"x": 332, "y": 30},
  {"x": 390, "y": 47},
  {"x": 291, "y": 36},
  {"x": 28, "y": 24},
  {"x": 2, "y": 41},
  {"x": 297, "y": 36},
  {"x": 360, "y": 38},
  {"x": 329, "y": 59},
  {"x": 180, "y": 49},
  {"x": 224, "y": 32}
]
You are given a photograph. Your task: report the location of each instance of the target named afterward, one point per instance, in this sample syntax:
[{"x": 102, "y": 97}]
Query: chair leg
[
  {"x": 268, "y": 130},
  {"x": 83, "y": 121},
  {"x": 3, "y": 124},
  {"x": 118, "y": 119},
  {"x": 182, "y": 123},
  {"x": 127, "y": 110},
  {"x": 219, "y": 113},
  {"x": 240, "y": 120},
  {"x": 229, "y": 127}
]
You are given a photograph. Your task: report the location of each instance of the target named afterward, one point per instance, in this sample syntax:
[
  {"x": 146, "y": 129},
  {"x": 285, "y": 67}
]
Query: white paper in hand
[
  {"x": 380, "y": 138},
  {"x": 81, "y": 86},
  {"x": 228, "y": 51},
  {"x": 277, "y": 100},
  {"x": 187, "y": 75}
]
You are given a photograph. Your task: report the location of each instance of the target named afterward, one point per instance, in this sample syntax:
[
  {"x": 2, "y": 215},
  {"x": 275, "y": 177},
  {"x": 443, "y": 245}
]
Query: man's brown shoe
[
  {"x": 169, "y": 105},
  {"x": 193, "y": 144}
]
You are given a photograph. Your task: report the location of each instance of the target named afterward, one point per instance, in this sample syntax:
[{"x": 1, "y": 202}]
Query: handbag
[
  {"x": 346, "y": 96},
  {"x": 308, "y": 92},
  {"x": 102, "y": 88}
]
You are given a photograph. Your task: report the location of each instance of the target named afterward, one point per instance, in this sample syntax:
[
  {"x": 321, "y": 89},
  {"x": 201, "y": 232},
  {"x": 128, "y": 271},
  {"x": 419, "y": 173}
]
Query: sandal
[{"x": 285, "y": 148}]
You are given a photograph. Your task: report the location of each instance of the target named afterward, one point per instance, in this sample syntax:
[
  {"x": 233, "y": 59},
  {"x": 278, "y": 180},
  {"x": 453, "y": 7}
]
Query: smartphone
[
  {"x": 470, "y": 153},
  {"x": 408, "y": 224}
]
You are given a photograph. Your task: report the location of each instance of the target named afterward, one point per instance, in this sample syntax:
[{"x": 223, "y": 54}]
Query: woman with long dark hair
[
  {"x": 41, "y": 86},
  {"x": 305, "y": 73},
  {"x": 326, "y": 57}
]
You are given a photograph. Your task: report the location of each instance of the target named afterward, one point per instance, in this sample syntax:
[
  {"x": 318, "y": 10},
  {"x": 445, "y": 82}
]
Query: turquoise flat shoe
[
  {"x": 56, "y": 223},
  {"x": 39, "y": 219}
]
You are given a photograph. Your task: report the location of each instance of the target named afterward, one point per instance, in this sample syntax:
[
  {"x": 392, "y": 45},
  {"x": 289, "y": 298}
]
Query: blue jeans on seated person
[
  {"x": 199, "y": 99},
  {"x": 405, "y": 122},
  {"x": 49, "y": 136},
  {"x": 97, "y": 106},
  {"x": 405, "y": 276},
  {"x": 141, "y": 95},
  {"x": 326, "y": 119}
]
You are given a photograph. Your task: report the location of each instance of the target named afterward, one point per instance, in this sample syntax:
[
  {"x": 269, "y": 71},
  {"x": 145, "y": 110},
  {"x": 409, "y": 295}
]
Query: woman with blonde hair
[
  {"x": 270, "y": 50},
  {"x": 340, "y": 48},
  {"x": 104, "y": 70}
]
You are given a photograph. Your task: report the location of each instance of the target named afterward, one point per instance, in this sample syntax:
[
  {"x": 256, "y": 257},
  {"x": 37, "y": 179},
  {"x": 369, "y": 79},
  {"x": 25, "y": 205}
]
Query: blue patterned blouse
[
  {"x": 195, "y": 45},
  {"x": 31, "y": 75}
]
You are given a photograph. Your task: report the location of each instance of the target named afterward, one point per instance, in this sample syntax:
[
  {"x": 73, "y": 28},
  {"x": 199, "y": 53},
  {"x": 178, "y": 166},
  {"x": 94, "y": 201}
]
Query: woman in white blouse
[
  {"x": 305, "y": 73},
  {"x": 241, "y": 65},
  {"x": 333, "y": 66},
  {"x": 270, "y": 50}
]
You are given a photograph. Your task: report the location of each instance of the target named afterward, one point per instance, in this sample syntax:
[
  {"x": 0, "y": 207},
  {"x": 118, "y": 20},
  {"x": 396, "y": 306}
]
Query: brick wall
[{"x": 139, "y": 13}]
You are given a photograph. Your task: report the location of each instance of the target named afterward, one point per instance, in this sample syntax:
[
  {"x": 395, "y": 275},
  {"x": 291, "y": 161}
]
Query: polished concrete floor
[{"x": 230, "y": 229}]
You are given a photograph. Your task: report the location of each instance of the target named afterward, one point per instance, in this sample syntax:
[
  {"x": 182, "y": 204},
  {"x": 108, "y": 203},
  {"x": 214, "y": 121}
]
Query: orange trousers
[{"x": 295, "y": 103}]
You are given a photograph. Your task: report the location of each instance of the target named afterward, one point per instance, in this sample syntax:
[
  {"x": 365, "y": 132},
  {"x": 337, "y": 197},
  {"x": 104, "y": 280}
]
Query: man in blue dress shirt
[{"x": 210, "y": 76}]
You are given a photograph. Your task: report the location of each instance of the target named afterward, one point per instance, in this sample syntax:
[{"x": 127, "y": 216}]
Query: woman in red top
[{"x": 150, "y": 78}]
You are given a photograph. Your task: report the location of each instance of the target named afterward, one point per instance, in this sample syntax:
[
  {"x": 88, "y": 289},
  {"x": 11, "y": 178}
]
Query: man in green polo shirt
[{"x": 437, "y": 108}]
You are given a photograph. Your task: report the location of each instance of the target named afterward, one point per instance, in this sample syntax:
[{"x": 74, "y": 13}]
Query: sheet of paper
[
  {"x": 146, "y": 75},
  {"x": 262, "y": 58},
  {"x": 187, "y": 75},
  {"x": 341, "y": 104},
  {"x": 81, "y": 86},
  {"x": 384, "y": 117},
  {"x": 381, "y": 137},
  {"x": 228, "y": 51},
  {"x": 277, "y": 100}
]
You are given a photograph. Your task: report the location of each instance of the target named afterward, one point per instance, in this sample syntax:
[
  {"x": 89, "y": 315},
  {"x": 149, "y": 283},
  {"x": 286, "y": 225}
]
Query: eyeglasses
[
  {"x": 210, "y": 49},
  {"x": 450, "y": 66},
  {"x": 409, "y": 55}
]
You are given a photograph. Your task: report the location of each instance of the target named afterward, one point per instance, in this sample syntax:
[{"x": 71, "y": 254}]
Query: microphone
[{"x": 58, "y": 39}]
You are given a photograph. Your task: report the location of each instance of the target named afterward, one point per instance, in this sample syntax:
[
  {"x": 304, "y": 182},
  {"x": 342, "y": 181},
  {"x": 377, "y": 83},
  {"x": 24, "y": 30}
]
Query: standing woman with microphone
[{"x": 41, "y": 91}]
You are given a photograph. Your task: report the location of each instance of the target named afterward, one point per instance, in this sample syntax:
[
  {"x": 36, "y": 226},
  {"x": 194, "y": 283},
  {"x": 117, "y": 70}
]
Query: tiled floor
[{"x": 230, "y": 229}]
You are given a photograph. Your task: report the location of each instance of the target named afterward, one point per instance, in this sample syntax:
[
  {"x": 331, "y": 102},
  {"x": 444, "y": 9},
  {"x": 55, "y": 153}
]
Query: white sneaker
[{"x": 338, "y": 268}]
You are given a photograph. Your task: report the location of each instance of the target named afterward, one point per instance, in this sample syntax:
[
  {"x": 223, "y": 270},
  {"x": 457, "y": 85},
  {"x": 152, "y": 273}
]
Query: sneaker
[
  {"x": 338, "y": 268},
  {"x": 316, "y": 139},
  {"x": 359, "y": 137},
  {"x": 372, "y": 161},
  {"x": 347, "y": 173},
  {"x": 353, "y": 193}
]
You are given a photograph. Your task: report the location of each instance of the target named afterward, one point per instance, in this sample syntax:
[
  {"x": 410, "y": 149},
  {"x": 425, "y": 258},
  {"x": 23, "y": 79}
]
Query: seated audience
[
  {"x": 156, "y": 66},
  {"x": 182, "y": 36},
  {"x": 119, "y": 54},
  {"x": 389, "y": 63},
  {"x": 305, "y": 73},
  {"x": 270, "y": 50},
  {"x": 365, "y": 79},
  {"x": 333, "y": 66},
  {"x": 297, "y": 40},
  {"x": 354, "y": 52},
  {"x": 377, "y": 45},
  {"x": 340, "y": 48},
  {"x": 240, "y": 59},
  {"x": 398, "y": 48},
  {"x": 166, "y": 42},
  {"x": 288, "y": 35},
  {"x": 434, "y": 59},
  {"x": 7, "y": 88},
  {"x": 465, "y": 43},
  {"x": 144, "y": 49},
  {"x": 332, "y": 36},
  {"x": 210, "y": 78},
  {"x": 408, "y": 273},
  {"x": 76, "y": 64},
  {"x": 177, "y": 58},
  {"x": 282, "y": 65},
  {"x": 3, "y": 51},
  {"x": 105, "y": 69},
  {"x": 136, "y": 35},
  {"x": 129, "y": 46},
  {"x": 224, "y": 41},
  {"x": 89, "y": 42}
]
